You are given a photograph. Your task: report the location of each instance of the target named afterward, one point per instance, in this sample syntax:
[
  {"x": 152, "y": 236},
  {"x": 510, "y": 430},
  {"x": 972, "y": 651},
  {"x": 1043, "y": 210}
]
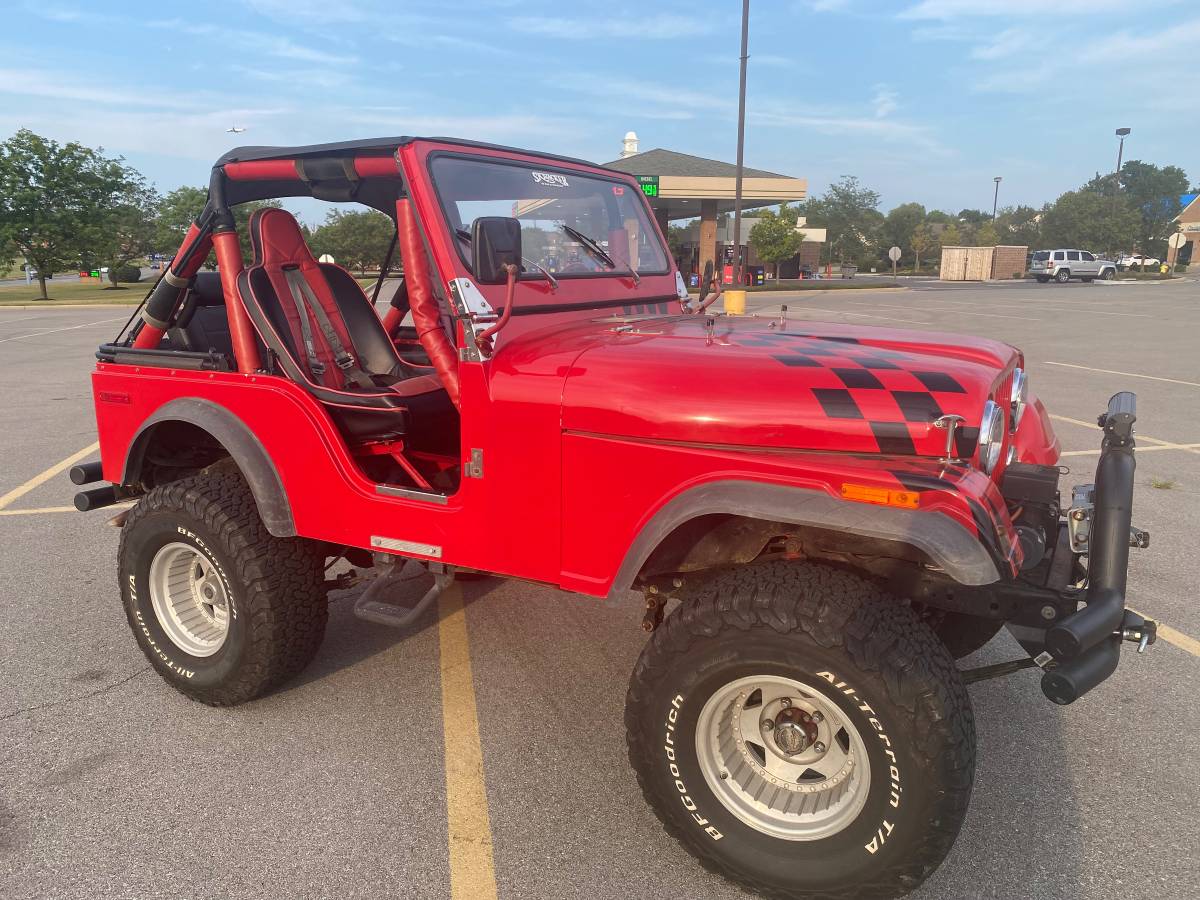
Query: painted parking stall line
[
  {"x": 1125, "y": 374},
  {"x": 472, "y": 867},
  {"x": 21, "y": 337},
  {"x": 18, "y": 492}
]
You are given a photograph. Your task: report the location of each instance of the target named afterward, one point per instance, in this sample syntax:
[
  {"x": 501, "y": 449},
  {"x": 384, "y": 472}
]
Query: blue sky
[{"x": 924, "y": 100}]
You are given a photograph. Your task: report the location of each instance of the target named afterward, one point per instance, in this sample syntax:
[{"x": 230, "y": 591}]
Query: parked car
[
  {"x": 1137, "y": 260},
  {"x": 1063, "y": 265}
]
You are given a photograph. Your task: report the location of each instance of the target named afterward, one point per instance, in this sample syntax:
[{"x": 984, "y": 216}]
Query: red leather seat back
[{"x": 278, "y": 242}]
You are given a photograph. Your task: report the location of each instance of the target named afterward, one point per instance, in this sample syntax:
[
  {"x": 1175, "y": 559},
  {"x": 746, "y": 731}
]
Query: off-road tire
[
  {"x": 274, "y": 586},
  {"x": 886, "y": 671}
]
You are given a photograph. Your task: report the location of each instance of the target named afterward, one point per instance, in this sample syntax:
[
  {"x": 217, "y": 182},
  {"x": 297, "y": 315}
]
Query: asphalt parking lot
[{"x": 114, "y": 785}]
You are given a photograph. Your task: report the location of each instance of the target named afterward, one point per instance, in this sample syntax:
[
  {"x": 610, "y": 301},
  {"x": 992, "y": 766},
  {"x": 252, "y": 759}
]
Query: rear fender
[{"x": 237, "y": 439}]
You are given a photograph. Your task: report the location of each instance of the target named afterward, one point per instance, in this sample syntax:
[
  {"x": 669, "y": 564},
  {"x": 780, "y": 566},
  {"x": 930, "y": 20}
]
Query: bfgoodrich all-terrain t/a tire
[
  {"x": 222, "y": 609},
  {"x": 802, "y": 733}
]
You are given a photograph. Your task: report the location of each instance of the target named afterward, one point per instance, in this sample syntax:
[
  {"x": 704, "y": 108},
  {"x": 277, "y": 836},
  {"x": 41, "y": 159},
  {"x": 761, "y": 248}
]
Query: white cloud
[
  {"x": 1009, "y": 42},
  {"x": 255, "y": 42},
  {"x": 967, "y": 9},
  {"x": 54, "y": 86},
  {"x": 656, "y": 27},
  {"x": 884, "y": 101},
  {"x": 888, "y": 130}
]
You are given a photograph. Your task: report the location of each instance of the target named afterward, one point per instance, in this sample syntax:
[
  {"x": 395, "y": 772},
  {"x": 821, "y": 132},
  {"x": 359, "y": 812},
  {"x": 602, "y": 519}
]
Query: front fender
[{"x": 946, "y": 543}]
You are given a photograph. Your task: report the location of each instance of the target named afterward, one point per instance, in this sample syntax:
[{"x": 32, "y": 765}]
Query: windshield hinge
[{"x": 475, "y": 465}]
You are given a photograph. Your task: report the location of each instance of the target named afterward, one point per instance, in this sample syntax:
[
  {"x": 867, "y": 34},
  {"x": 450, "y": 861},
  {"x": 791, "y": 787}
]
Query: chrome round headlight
[
  {"x": 1020, "y": 394},
  {"x": 991, "y": 436}
]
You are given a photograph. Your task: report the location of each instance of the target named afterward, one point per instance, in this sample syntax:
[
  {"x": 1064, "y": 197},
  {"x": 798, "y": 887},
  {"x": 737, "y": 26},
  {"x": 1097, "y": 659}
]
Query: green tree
[
  {"x": 1020, "y": 225},
  {"x": 774, "y": 236},
  {"x": 355, "y": 239},
  {"x": 921, "y": 240},
  {"x": 900, "y": 225},
  {"x": 1090, "y": 221},
  {"x": 175, "y": 213},
  {"x": 849, "y": 212},
  {"x": 129, "y": 232},
  {"x": 951, "y": 236},
  {"x": 56, "y": 200},
  {"x": 987, "y": 235},
  {"x": 1154, "y": 192},
  {"x": 938, "y": 217}
]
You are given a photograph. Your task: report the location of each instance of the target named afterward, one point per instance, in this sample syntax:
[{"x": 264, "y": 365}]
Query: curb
[{"x": 72, "y": 305}]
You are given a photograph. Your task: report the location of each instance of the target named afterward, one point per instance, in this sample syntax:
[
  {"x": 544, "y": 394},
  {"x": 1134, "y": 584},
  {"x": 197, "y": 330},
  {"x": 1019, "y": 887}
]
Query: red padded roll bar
[
  {"x": 423, "y": 304},
  {"x": 230, "y": 265},
  {"x": 161, "y": 304}
]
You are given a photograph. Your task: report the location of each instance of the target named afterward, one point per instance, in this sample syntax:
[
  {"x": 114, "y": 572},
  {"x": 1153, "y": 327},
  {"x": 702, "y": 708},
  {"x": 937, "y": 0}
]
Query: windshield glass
[{"x": 565, "y": 216}]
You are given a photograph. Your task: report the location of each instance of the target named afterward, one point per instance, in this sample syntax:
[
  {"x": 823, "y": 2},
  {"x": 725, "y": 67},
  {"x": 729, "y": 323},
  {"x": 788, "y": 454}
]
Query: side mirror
[
  {"x": 705, "y": 281},
  {"x": 495, "y": 242}
]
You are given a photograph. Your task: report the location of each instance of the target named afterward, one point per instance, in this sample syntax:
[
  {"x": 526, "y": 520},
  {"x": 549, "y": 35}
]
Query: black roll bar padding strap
[
  {"x": 1069, "y": 681},
  {"x": 162, "y": 302},
  {"x": 387, "y": 264},
  {"x": 303, "y": 296},
  {"x": 1108, "y": 544}
]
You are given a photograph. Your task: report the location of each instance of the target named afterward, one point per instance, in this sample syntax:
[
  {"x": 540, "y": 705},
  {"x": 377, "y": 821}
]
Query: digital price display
[{"x": 649, "y": 185}]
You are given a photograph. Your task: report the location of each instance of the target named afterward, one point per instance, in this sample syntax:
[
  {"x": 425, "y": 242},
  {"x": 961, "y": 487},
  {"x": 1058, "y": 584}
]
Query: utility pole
[
  {"x": 996, "y": 196},
  {"x": 741, "y": 139}
]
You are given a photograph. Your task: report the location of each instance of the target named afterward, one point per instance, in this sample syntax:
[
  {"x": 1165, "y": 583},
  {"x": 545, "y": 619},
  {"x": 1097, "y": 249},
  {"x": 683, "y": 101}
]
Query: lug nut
[
  {"x": 817, "y": 717},
  {"x": 819, "y": 747},
  {"x": 785, "y": 702},
  {"x": 768, "y": 725}
]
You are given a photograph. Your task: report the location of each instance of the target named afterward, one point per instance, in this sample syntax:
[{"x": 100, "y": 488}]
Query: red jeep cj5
[{"x": 837, "y": 513}]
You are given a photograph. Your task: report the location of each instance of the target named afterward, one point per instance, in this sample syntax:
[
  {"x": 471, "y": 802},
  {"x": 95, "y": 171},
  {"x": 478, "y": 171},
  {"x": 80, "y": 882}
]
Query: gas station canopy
[{"x": 681, "y": 186}]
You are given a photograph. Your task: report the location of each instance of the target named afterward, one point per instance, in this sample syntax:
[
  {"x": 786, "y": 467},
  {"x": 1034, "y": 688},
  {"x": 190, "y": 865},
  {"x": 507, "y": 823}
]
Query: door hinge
[{"x": 475, "y": 464}]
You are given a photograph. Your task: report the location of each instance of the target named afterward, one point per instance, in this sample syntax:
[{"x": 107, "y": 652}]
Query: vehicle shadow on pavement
[
  {"x": 350, "y": 641},
  {"x": 1023, "y": 833}
]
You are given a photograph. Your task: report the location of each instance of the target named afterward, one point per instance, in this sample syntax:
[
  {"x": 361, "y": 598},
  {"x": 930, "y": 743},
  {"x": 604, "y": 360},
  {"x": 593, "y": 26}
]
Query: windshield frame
[{"x": 540, "y": 165}]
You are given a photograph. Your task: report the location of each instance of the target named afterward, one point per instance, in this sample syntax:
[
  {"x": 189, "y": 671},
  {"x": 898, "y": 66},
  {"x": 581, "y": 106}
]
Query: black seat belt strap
[
  {"x": 314, "y": 362},
  {"x": 302, "y": 293}
]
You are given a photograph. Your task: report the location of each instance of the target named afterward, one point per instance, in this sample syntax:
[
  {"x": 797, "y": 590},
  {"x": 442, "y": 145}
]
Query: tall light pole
[
  {"x": 737, "y": 190},
  {"x": 996, "y": 196},
  {"x": 1121, "y": 133}
]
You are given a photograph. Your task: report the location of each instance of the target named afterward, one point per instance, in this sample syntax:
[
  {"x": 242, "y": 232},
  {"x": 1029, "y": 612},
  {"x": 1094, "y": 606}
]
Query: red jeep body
[
  {"x": 608, "y": 415},
  {"x": 841, "y": 511}
]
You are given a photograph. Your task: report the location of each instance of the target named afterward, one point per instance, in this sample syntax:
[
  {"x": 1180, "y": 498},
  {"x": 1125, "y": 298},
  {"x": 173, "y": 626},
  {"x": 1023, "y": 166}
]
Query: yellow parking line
[
  {"x": 37, "y": 512},
  {"x": 472, "y": 869},
  {"x": 1140, "y": 450},
  {"x": 1171, "y": 636},
  {"x": 1161, "y": 444},
  {"x": 18, "y": 492},
  {"x": 1126, "y": 374}
]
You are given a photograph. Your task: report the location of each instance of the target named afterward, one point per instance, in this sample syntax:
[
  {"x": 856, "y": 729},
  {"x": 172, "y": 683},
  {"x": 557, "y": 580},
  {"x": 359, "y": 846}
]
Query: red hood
[{"x": 802, "y": 385}]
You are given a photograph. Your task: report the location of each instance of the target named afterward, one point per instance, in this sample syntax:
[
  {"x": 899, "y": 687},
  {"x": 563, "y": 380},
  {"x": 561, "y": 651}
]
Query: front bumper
[{"x": 1083, "y": 649}]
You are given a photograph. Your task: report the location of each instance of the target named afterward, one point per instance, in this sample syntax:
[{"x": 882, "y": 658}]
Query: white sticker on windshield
[{"x": 550, "y": 180}]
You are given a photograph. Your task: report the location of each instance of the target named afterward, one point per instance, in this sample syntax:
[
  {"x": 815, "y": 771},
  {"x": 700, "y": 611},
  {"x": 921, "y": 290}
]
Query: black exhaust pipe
[
  {"x": 96, "y": 498},
  {"x": 87, "y": 473},
  {"x": 1068, "y": 682}
]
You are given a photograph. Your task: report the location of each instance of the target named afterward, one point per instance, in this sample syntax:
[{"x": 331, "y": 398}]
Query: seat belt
[{"x": 304, "y": 298}]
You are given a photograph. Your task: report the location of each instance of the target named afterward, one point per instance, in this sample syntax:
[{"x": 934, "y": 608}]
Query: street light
[
  {"x": 1121, "y": 132},
  {"x": 996, "y": 196},
  {"x": 741, "y": 139}
]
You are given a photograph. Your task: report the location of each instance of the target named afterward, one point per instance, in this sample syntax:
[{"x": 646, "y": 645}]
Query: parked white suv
[{"x": 1063, "y": 265}]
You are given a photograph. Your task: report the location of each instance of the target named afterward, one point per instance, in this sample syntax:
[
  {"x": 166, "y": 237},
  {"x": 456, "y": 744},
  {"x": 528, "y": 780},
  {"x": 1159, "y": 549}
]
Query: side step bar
[{"x": 372, "y": 608}]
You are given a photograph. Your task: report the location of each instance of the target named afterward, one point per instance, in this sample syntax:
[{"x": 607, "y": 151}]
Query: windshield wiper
[{"x": 589, "y": 244}]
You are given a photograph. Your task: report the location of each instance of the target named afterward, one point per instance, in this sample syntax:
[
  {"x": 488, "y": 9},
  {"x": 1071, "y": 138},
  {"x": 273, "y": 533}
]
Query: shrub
[{"x": 127, "y": 274}]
